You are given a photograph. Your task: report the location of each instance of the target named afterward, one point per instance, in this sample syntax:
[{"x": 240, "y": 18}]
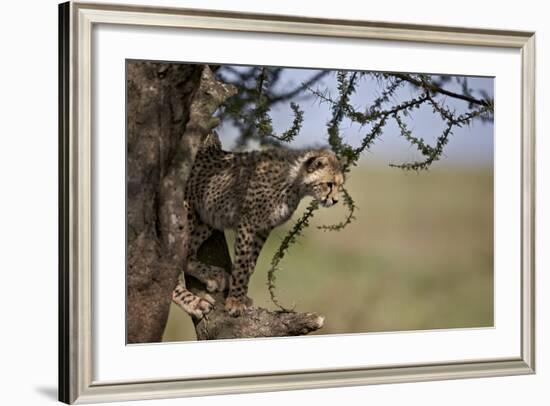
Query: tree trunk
[{"x": 170, "y": 111}]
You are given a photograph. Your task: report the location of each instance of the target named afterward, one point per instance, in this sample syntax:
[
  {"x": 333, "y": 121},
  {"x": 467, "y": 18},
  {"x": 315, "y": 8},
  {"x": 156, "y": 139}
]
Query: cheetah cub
[{"x": 251, "y": 193}]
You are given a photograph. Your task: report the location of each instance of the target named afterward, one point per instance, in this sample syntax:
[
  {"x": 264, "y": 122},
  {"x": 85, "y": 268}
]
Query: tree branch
[
  {"x": 276, "y": 98},
  {"x": 437, "y": 89}
]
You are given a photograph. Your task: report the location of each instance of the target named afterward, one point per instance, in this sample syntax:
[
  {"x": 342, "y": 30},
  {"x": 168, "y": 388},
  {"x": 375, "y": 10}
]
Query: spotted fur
[{"x": 251, "y": 193}]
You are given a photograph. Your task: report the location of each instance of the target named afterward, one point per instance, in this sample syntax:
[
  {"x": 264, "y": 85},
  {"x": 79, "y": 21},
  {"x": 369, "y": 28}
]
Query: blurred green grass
[{"x": 418, "y": 256}]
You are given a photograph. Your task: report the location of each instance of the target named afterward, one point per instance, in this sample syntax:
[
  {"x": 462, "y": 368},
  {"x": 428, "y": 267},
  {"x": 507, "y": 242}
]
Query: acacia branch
[
  {"x": 276, "y": 98},
  {"x": 437, "y": 89}
]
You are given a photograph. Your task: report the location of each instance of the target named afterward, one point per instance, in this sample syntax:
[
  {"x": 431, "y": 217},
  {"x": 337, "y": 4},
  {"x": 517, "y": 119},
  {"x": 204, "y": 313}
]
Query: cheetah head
[{"x": 323, "y": 177}]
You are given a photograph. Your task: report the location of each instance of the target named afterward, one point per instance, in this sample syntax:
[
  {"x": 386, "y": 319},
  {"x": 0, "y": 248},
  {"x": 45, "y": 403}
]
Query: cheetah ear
[{"x": 316, "y": 162}]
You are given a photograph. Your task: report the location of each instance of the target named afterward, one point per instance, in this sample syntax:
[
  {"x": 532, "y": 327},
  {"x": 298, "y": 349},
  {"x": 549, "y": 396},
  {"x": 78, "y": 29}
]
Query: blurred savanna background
[{"x": 418, "y": 254}]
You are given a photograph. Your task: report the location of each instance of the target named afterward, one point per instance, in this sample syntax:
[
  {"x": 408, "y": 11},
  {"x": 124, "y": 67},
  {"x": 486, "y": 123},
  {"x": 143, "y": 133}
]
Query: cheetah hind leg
[
  {"x": 194, "y": 305},
  {"x": 213, "y": 277}
]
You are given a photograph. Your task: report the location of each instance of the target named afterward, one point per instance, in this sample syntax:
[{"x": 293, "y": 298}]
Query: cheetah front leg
[{"x": 248, "y": 245}]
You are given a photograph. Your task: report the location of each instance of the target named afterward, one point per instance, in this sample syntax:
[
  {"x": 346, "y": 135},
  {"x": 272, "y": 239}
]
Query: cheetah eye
[{"x": 330, "y": 185}]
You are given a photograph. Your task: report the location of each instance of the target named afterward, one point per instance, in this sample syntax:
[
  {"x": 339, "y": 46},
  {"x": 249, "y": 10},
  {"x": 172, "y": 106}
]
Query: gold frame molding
[{"x": 75, "y": 340}]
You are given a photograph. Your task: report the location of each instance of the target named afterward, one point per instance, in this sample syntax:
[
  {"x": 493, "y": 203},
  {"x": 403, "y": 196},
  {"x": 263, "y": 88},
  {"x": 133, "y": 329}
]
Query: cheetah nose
[{"x": 334, "y": 201}]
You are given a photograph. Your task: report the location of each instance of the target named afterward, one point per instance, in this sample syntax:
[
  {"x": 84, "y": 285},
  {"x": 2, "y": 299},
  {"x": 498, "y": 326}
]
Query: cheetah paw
[
  {"x": 217, "y": 282},
  {"x": 236, "y": 306},
  {"x": 197, "y": 307}
]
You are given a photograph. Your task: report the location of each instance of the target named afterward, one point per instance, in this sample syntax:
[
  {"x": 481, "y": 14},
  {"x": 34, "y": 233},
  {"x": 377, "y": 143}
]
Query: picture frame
[{"x": 77, "y": 383}]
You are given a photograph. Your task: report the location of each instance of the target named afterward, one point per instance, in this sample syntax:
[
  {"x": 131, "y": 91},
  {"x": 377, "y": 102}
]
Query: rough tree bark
[{"x": 170, "y": 111}]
